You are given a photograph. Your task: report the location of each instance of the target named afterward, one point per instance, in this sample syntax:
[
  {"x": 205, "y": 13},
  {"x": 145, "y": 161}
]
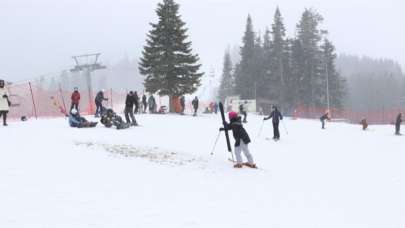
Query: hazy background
[{"x": 39, "y": 37}]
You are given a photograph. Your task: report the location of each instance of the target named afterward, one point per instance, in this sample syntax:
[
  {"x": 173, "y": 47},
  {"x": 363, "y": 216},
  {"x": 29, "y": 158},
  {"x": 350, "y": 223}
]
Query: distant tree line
[
  {"x": 276, "y": 69},
  {"x": 373, "y": 84}
]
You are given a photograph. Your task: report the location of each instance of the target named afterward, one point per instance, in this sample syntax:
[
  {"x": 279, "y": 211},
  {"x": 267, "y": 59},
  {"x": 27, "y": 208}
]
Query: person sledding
[
  {"x": 109, "y": 118},
  {"x": 324, "y": 118},
  {"x": 242, "y": 140},
  {"x": 75, "y": 120},
  {"x": 276, "y": 116}
]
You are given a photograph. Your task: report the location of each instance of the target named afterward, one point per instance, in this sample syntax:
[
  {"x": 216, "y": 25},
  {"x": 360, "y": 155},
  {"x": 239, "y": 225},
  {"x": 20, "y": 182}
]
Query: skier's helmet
[
  {"x": 73, "y": 111},
  {"x": 232, "y": 115},
  {"x": 76, "y": 89}
]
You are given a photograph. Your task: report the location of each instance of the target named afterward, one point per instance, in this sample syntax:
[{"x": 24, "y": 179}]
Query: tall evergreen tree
[
  {"x": 296, "y": 76},
  {"x": 264, "y": 84},
  {"x": 227, "y": 81},
  {"x": 168, "y": 63},
  {"x": 279, "y": 57},
  {"x": 335, "y": 83},
  {"x": 244, "y": 74},
  {"x": 309, "y": 35},
  {"x": 258, "y": 70}
]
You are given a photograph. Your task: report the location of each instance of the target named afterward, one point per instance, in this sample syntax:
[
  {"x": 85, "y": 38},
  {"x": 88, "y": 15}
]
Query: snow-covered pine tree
[{"x": 168, "y": 63}]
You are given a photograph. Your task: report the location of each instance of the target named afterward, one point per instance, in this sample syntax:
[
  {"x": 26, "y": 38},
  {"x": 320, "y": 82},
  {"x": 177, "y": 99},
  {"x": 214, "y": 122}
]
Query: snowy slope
[{"x": 161, "y": 175}]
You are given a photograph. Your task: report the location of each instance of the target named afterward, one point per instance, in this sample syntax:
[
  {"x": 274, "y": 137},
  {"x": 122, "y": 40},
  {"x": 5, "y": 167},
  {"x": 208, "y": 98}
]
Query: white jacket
[{"x": 3, "y": 101}]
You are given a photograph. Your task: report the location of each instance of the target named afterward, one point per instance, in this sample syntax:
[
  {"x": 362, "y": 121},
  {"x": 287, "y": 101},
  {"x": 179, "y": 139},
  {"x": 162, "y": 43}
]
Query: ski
[
  {"x": 246, "y": 165},
  {"x": 228, "y": 142}
]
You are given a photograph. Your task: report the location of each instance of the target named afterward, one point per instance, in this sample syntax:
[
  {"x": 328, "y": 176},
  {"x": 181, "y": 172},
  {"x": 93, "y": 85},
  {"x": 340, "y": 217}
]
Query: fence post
[
  {"x": 63, "y": 99},
  {"x": 111, "y": 97},
  {"x": 33, "y": 101}
]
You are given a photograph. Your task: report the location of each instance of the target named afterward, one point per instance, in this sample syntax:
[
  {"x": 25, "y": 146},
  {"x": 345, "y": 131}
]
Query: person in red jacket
[{"x": 75, "y": 99}]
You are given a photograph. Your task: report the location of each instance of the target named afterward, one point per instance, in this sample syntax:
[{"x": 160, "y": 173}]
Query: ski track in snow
[{"x": 162, "y": 175}]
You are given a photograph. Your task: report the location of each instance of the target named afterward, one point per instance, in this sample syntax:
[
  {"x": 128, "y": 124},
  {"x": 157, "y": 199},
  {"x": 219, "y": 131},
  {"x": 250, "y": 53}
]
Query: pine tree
[
  {"x": 279, "y": 57},
  {"x": 258, "y": 70},
  {"x": 296, "y": 76},
  {"x": 264, "y": 86},
  {"x": 244, "y": 74},
  {"x": 336, "y": 84},
  {"x": 227, "y": 81},
  {"x": 168, "y": 63},
  {"x": 309, "y": 35}
]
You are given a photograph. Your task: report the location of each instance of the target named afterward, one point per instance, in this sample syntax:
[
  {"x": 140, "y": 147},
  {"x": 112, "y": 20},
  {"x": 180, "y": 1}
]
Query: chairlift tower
[{"x": 87, "y": 64}]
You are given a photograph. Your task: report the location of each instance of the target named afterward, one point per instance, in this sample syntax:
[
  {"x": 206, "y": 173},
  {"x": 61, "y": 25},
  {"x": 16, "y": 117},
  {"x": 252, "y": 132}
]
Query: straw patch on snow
[{"x": 154, "y": 155}]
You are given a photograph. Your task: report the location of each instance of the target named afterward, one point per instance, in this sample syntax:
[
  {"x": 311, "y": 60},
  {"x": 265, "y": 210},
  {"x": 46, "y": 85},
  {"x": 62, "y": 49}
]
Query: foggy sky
[{"x": 38, "y": 37}]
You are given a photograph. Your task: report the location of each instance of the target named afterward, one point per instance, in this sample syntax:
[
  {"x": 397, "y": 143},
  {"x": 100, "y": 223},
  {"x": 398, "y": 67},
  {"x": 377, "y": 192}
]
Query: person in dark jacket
[
  {"x": 75, "y": 99},
  {"x": 324, "y": 118},
  {"x": 136, "y": 100},
  {"x": 144, "y": 103},
  {"x": 4, "y": 102},
  {"x": 243, "y": 112},
  {"x": 398, "y": 124},
  {"x": 216, "y": 107},
  {"x": 75, "y": 120},
  {"x": 242, "y": 140},
  {"x": 152, "y": 104},
  {"x": 130, "y": 101},
  {"x": 99, "y": 102},
  {"x": 364, "y": 124},
  {"x": 276, "y": 116},
  {"x": 195, "y": 105},
  {"x": 182, "y": 104}
]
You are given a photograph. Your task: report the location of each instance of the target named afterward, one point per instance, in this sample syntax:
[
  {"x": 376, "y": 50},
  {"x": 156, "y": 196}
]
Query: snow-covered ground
[{"x": 162, "y": 175}]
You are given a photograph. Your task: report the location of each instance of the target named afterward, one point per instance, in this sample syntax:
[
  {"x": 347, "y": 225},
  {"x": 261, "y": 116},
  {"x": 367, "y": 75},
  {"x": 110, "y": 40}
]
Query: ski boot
[
  {"x": 238, "y": 166},
  {"x": 250, "y": 165}
]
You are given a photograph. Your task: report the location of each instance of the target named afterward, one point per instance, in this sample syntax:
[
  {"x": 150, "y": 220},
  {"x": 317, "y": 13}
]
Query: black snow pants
[
  {"x": 244, "y": 116},
  {"x": 99, "y": 108},
  {"x": 129, "y": 113},
  {"x": 276, "y": 131},
  {"x": 4, "y": 114}
]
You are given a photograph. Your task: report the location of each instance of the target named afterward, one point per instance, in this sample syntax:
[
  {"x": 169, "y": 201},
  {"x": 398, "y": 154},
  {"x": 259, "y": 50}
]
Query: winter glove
[
  {"x": 5, "y": 96},
  {"x": 221, "y": 129}
]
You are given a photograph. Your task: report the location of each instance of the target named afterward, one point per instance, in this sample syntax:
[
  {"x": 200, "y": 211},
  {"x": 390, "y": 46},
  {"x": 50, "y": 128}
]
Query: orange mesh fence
[
  {"x": 384, "y": 116},
  {"x": 32, "y": 99}
]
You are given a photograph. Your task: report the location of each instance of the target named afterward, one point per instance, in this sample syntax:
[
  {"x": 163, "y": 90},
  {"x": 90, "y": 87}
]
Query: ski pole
[
  {"x": 215, "y": 144},
  {"x": 260, "y": 131},
  {"x": 284, "y": 127}
]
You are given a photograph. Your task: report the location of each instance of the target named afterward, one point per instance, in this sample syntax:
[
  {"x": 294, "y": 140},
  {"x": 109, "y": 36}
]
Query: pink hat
[{"x": 232, "y": 115}]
